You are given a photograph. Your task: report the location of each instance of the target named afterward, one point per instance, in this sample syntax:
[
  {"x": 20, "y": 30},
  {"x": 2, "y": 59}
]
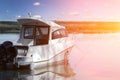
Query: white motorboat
[{"x": 41, "y": 43}]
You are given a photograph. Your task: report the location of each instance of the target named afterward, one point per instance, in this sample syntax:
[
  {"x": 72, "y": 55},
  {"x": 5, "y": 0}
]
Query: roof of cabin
[{"x": 34, "y": 21}]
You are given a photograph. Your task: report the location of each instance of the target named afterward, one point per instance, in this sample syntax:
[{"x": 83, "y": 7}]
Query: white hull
[{"x": 60, "y": 57}]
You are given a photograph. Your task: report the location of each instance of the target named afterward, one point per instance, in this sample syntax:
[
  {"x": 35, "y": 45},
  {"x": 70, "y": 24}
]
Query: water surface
[
  {"x": 94, "y": 57},
  {"x": 8, "y": 37}
]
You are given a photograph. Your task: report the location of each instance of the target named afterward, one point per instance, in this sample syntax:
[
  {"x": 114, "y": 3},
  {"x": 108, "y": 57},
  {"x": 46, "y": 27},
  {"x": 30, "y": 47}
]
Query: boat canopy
[{"x": 37, "y": 22}]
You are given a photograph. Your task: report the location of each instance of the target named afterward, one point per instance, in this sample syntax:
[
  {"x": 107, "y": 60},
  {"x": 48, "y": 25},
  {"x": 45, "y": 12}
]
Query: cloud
[
  {"x": 19, "y": 16},
  {"x": 63, "y": 13},
  {"x": 73, "y": 13},
  {"x": 36, "y": 16},
  {"x": 36, "y": 3}
]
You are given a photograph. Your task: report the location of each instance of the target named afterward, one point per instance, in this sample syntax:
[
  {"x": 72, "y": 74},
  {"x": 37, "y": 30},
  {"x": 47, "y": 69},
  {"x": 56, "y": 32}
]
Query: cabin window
[
  {"x": 41, "y": 32},
  {"x": 42, "y": 35},
  {"x": 61, "y": 33},
  {"x": 28, "y": 33}
]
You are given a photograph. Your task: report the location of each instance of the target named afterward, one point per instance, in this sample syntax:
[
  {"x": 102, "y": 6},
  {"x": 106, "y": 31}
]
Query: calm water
[
  {"x": 8, "y": 37},
  {"x": 58, "y": 72},
  {"x": 94, "y": 57}
]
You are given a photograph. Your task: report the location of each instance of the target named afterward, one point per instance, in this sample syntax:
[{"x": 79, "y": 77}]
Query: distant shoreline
[
  {"x": 85, "y": 31},
  {"x": 72, "y": 27},
  {"x": 9, "y": 30}
]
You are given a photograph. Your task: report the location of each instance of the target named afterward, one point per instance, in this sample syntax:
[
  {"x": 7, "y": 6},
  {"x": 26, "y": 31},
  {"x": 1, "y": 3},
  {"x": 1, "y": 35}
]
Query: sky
[{"x": 65, "y": 10}]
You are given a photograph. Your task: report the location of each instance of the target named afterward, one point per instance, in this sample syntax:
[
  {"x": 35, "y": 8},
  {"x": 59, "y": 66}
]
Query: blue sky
[
  {"x": 12, "y": 9},
  {"x": 77, "y": 10}
]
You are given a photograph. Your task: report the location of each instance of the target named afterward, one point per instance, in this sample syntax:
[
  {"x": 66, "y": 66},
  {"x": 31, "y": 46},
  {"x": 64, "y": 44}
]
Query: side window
[
  {"x": 28, "y": 33},
  {"x": 56, "y": 34},
  {"x": 63, "y": 33},
  {"x": 59, "y": 34}
]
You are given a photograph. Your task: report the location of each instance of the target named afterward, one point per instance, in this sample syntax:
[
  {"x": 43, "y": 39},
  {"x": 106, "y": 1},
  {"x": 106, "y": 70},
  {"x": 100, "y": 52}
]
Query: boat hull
[{"x": 58, "y": 58}]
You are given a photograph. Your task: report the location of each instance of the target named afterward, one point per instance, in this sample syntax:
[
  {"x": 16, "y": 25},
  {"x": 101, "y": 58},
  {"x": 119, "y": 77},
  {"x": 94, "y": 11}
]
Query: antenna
[{"x": 29, "y": 14}]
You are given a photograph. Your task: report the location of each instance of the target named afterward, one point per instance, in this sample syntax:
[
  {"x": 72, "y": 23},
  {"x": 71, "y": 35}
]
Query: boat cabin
[{"x": 39, "y": 32}]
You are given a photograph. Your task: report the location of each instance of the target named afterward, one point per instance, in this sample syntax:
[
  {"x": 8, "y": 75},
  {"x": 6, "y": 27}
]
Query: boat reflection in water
[{"x": 57, "y": 71}]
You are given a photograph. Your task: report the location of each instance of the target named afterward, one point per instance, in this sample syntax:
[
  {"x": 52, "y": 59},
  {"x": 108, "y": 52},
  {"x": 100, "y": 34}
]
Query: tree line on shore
[
  {"x": 9, "y": 27},
  {"x": 71, "y": 26}
]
